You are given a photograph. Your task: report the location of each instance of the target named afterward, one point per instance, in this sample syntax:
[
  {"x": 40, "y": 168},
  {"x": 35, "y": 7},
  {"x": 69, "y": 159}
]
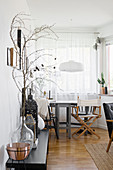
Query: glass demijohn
[{"x": 23, "y": 134}]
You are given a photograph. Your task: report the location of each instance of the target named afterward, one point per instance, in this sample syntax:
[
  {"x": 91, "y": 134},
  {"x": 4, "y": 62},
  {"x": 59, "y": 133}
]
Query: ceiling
[{"x": 72, "y": 13}]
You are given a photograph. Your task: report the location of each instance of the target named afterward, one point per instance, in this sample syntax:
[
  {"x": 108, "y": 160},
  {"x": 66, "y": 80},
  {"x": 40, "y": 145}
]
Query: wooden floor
[{"x": 70, "y": 154}]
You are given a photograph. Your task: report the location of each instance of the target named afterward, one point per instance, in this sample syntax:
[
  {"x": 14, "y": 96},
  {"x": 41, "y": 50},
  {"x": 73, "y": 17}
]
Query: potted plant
[
  {"x": 26, "y": 64},
  {"x": 102, "y": 82}
]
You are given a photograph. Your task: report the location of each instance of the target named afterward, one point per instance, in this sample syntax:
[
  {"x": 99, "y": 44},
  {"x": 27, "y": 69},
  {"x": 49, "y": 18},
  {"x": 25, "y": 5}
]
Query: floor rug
[{"x": 102, "y": 159}]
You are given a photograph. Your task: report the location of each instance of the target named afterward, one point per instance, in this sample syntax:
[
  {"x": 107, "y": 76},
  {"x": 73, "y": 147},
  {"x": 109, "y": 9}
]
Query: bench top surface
[{"x": 38, "y": 155}]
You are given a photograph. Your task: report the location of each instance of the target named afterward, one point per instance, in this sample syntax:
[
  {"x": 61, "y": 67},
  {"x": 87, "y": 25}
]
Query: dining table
[{"x": 66, "y": 104}]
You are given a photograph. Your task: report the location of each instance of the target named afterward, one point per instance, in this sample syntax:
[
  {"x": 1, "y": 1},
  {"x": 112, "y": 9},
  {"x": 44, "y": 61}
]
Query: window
[
  {"x": 77, "y": 47},
  {"x": 109, "y": 54},
  {"x": 78, "y": 81}
]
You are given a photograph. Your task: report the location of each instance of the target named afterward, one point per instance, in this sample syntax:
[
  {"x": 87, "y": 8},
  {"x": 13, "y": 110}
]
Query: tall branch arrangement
[{"x": 22, "y": 38}]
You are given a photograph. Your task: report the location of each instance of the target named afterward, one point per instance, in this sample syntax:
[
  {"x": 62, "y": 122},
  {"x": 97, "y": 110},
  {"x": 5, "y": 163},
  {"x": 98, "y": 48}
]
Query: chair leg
[
  {"x": 90, "y": 130},
  {"x": 47, "y": 125},
  {"x": 82, "y": 133},
  {"x": 55, "y": 128},
  {"x": 109, "y": 144},
  {"x": 88, "y": 127},
  {"x": 77, "y": 130}
]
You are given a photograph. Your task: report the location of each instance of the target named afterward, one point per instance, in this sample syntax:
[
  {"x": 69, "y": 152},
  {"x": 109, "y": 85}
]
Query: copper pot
[{"x": 18, "y": 151}]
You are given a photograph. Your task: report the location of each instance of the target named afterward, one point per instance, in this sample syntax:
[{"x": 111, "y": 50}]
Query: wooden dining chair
[{"x": 86, "y": 120}]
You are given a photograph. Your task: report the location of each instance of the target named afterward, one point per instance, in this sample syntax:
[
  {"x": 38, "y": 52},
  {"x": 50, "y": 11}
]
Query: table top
[
  {"x": 73, "y": 102},
  {"x": 37, "y": 156}
]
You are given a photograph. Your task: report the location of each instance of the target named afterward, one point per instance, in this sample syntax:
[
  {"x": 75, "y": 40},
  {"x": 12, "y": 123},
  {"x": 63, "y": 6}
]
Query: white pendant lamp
[{"x": 71, "y": 66}]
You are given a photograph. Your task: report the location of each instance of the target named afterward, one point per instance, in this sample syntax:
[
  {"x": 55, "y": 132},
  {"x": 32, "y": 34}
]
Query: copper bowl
[{"x": 18, "y": 151}]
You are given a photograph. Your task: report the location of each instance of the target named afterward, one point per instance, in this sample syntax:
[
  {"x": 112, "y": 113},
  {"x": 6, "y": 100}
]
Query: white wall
[
  {"x": 106, "y": 31},
  {"x": 9, "y": 105},
  {"x": 101, "y": 123}
]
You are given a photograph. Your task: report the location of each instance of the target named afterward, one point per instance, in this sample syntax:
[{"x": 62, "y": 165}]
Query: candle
[{"x": 49, "y": 94}]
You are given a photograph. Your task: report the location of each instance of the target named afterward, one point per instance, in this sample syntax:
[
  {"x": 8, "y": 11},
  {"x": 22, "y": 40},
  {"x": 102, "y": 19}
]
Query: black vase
[{"x": 106, "y": 91}]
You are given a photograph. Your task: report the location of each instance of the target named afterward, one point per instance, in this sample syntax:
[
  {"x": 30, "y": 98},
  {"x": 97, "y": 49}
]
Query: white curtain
[{"x": 70, "y": 46}]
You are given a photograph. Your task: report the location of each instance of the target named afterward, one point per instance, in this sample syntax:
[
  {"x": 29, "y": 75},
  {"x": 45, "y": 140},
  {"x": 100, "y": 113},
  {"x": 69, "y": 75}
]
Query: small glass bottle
[{"x": 31, "y": 124}]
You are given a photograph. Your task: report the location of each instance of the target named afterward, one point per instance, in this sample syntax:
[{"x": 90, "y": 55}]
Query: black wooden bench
[{"x": 37, "y": 159}]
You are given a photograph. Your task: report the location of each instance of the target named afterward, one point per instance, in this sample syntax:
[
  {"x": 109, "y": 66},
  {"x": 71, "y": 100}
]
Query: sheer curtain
[{"x": 70, "y": 46}]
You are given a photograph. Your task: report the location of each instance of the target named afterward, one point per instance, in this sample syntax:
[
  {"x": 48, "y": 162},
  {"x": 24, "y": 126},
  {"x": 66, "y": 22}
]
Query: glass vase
[{"x": 23, "y": 135}]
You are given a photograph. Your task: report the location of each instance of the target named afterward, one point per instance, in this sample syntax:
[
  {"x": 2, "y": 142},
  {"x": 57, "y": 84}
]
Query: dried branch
[
  {"x": 35, "y": 52},
  {"x": 18, "y": 22},
  {"x": 19, "y": 99},
  {"x": 49, "y": 80},
  {"x": 15, "y": 80},
  {"x": 32, "y": 62}
]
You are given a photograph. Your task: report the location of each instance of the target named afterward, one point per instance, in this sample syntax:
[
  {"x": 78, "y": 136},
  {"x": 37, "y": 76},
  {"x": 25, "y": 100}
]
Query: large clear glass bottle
[{"x": 23, "y": 134}]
